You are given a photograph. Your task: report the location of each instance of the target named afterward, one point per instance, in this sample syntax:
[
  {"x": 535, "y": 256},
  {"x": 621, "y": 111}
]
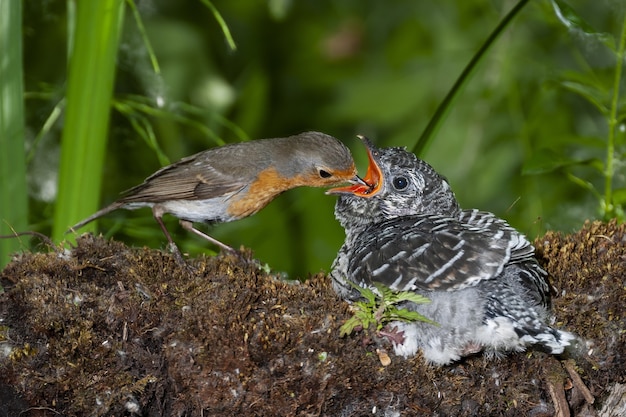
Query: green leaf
[
  {"x": 412, "y": 296},
  {"x": 600, "y": 98},
  {"x": 91, "y": 75},
  {"x": 366, "y": 293},
  {"x": 545, "y": 160},
  {"x": 383, "y": 309},
  {"x": 572, "y": 21},
  {"x": 144, "y": 36},
  {"x": 220, "y": 20},
  {"x": 584, "y": 184},
  {"x": 403, "y": 314},
  {"x": 13, "y": 185},
  {"x": 349, "y": 326}
]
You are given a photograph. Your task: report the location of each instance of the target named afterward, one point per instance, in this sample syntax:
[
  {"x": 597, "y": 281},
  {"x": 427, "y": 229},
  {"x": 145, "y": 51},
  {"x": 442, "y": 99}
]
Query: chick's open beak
[{"x": 369, "y": 185}]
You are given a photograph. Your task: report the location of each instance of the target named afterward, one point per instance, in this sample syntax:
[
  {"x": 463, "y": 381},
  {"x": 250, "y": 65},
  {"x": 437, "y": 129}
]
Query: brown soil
[{"x": 105, "y": 329}]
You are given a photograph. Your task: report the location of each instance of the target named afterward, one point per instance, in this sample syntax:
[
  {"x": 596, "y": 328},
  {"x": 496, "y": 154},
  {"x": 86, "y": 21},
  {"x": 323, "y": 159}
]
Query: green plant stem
[
  {"x": 220, "y": 20},
  {"x": 90, "y": 86},
  {"x": 446, "y": 104},
  {"x": 608, "y": 206},
  {"x": 13, "y": 188},
  {"x": 144, "y": 36}
]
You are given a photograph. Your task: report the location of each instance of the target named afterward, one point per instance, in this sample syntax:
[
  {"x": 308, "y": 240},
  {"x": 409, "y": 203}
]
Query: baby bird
[
  {"x": 237, "y": 180},
  {"x": 405, "y": 229}
]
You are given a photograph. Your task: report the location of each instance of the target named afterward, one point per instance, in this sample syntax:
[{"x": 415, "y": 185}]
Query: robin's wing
[
  {"x": 435, "y": 253},
  {"x": 209, "y": 174}
]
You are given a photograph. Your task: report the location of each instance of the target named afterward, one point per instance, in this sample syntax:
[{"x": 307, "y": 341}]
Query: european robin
[
  {"x": 406, "y": 231},
  {"x": 237, "y": 180}
]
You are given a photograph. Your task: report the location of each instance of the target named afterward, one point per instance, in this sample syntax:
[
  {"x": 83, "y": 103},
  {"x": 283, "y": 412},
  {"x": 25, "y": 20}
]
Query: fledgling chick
[
  {"x": 405, "y": 229},
  {"x": 237, "y": 180}
]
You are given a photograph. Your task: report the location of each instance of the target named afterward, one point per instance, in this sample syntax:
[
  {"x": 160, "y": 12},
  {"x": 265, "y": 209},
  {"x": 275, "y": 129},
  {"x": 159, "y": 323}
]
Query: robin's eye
[
  {"x": 400, "y": 183},
  {"x": 325, "y": 174}
]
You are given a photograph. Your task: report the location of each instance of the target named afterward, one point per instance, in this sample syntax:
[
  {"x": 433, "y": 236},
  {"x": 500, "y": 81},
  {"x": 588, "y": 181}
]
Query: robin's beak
[
  {"x": 372, "y": 182},
  {"x": 356, "y": 180}
]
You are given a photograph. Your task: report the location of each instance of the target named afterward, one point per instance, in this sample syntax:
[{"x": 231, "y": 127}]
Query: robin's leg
[
  {"x": 158, "y": 212},
  {"x": 187, "y": 225}
]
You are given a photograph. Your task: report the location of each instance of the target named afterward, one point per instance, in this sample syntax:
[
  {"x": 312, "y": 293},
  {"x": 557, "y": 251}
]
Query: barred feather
[{"x": 486, "y": 287}]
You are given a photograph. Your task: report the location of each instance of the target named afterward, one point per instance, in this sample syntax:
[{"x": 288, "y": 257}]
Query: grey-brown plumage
[
  {"x": 406, "y": 230},
  {"x": 237, "y": 180}
]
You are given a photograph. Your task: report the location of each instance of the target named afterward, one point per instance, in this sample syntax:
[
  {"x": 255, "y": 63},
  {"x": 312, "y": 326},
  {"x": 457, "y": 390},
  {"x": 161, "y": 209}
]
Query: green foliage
[
  {"x": 537, "y": 98},
  {"x": 13, "y": 189},
  {"x": 455, "y": 91},
  {"x": 602, "y": 88},
  {"x": 91, "y": 76},
  {"x": 382, "y": 308}
]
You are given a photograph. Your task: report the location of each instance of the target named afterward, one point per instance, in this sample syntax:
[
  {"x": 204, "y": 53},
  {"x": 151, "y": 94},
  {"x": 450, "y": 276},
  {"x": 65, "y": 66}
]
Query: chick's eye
[
  {"x": 325, "y": 174},
  {"x": 400, "y": 183}
]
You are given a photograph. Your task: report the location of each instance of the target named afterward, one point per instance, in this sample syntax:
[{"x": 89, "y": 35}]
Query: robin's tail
[{"x": 97, "y": 214}]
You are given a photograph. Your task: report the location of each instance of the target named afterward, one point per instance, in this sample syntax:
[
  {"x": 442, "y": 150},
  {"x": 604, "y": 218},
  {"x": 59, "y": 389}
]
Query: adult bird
[
  {"x": 237, "y": 180},
  {"x": 406, "y": 230}
]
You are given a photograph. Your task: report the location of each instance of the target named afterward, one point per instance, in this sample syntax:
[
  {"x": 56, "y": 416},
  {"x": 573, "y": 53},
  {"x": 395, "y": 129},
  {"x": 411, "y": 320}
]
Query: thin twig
[{"x": 578, "y": 382}]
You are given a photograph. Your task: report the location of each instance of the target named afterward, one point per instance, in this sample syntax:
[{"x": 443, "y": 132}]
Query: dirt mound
[{"x": 105, "y": 329}]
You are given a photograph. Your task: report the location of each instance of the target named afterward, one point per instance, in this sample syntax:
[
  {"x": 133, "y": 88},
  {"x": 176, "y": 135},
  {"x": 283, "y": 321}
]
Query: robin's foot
[
  {"x": 187, "y": 225},
  {"x": 173, "y": 249}
]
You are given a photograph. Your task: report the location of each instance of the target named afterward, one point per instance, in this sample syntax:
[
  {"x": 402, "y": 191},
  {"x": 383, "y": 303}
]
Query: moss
[
  {"x": 109, "y": 330},
  {"x": 588, "y": 271}
]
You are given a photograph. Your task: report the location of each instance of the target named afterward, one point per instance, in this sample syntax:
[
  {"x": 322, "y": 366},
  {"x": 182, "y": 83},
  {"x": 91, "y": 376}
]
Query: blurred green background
[{"x": 526, "y": 138}]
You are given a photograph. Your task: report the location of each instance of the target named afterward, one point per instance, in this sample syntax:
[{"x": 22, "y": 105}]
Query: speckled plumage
[{"x": 407, "y": 231}]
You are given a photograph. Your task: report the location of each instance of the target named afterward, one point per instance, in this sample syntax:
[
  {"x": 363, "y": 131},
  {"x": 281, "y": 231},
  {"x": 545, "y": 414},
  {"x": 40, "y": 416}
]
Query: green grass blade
[
  {"x": 222, "y": 23},
  {"x": 608, "y": 207},
  {"x": 90, "y": 86},
  {"x": 144, "y": 37},
  {"x": 13, "y": 190},
  {"x": 446, "y": 104}
]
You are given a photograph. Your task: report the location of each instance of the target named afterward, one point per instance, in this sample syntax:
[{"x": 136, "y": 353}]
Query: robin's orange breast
[{"x": 267, "y": 186}]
